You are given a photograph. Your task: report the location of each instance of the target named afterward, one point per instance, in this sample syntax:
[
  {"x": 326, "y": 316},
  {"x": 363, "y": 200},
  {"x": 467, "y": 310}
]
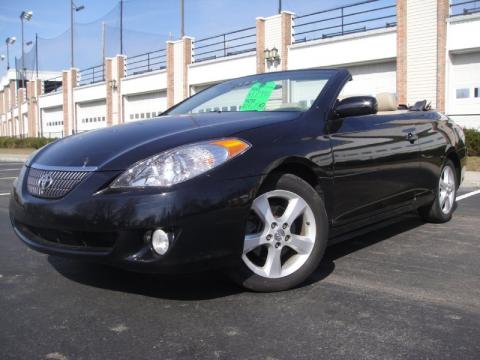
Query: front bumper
[{"x": 207, "y": 216}]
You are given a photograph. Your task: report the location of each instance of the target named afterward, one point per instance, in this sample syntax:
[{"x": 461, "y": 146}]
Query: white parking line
[
  {"x": 10, "y": 169},
  {"x": 464, "y": 196},
  {"x": 4, "y": 194},
  {"x": 8, "y": 178}
]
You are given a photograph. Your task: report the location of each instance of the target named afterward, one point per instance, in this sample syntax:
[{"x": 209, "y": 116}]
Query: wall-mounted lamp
[
  {"x": 112, "y": 84},
  {"x": 272, "y": 56}
]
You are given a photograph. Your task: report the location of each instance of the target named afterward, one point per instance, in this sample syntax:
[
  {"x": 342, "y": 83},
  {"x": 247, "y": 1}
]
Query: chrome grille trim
[
  {"x": 64, "y": 168},
  {"x": 62, "y": 182}
]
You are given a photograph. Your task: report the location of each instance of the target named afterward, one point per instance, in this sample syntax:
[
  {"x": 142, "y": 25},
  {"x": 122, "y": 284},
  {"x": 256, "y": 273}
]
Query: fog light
[{"x": 160, "y": 241}]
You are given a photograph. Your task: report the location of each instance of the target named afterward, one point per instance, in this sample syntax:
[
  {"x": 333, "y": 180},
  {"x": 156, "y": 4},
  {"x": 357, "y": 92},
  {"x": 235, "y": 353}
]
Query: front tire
[
  {"x": 441, "y": 210},
  {"x": 286, "y": 236}
]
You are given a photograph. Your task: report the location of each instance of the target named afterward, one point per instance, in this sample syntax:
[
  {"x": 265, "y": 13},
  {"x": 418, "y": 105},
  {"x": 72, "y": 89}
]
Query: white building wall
[
  {"x": 213, "y": 71},
  {"x": 463, "y": 33},
  {"x": 147, "y": 82},
  {"x": 422, "y": 51},
  {"x": 348, "y": 49}
]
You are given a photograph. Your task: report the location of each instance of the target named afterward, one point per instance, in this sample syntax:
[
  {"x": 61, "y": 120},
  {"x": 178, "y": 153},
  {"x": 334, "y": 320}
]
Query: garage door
[
  {"x": 91, "y": 115},
  {"x": 144, "y": 106},
  {"x": 372, "y": 79},
  {"x": 52, "y": 121},
  {"x": 463, "y": 93}
]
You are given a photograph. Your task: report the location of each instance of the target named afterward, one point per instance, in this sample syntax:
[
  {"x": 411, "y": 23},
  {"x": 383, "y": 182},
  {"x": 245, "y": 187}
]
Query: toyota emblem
[{"x": 44, "y": 182}]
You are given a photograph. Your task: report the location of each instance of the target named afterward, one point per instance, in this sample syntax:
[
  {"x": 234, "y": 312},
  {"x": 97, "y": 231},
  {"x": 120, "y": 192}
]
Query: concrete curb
[
  {"x": 13, "y": 157},
  {"x": 472, "y": 179}
]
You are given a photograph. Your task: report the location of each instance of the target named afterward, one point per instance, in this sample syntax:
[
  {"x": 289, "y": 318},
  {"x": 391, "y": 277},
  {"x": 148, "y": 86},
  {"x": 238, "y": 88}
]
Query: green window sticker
[{"x": 257, "y": 96}]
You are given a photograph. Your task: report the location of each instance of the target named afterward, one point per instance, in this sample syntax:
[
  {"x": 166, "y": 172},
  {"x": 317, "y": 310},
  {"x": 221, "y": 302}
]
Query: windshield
[{"x": 286, "y": 91}]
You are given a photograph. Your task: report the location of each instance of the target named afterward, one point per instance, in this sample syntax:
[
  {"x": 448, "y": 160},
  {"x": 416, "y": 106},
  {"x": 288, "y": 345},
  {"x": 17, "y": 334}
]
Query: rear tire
[
  {"x": 442, "y": 208},
  {"x": 285, "y": 237}
]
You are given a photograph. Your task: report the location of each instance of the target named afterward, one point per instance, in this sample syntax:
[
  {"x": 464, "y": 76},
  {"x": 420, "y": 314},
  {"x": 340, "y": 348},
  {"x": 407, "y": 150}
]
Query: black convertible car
[{"x": 257, "y": 174}]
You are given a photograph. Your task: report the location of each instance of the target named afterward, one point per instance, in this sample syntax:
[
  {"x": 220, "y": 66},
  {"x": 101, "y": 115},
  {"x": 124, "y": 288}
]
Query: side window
[{"x": 463, "y": 93}]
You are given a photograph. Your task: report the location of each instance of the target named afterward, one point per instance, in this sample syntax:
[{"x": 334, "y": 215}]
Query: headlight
[{"x": 180, "y": 164}]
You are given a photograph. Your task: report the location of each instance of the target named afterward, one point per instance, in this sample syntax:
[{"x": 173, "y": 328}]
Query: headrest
[{"x": 387, "y": 102}]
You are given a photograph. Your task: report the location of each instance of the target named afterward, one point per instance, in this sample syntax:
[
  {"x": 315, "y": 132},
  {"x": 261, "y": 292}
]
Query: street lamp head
[
  {"x": 28, "y": 43},
  {"x": 79, "y": 8},
  {"x": 26, "y": 15},
  {"x": 11, "y": 40},
  {"x": 2, "y": 57}
]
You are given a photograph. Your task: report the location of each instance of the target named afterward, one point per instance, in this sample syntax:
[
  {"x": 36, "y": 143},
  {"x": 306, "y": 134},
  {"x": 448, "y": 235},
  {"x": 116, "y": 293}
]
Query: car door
[{"x": 375, "y": 164}]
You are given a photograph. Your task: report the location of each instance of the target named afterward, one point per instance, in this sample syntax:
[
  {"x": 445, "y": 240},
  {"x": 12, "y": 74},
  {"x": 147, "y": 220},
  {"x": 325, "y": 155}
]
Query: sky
[{"x": 147, "y": 24}]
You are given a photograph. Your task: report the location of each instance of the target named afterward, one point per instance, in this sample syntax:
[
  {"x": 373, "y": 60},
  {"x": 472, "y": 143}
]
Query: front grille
[{"x": 53, "y": 184}]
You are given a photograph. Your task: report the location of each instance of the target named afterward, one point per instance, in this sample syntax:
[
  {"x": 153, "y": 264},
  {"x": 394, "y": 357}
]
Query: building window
[
  {"x": 477, "y": 92},
  {"x": 463, "y": 93},
  {"x": 148, "y": 115}
]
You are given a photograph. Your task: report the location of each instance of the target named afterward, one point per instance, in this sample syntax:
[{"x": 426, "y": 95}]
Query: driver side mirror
[{"x": 356, "y": 106}]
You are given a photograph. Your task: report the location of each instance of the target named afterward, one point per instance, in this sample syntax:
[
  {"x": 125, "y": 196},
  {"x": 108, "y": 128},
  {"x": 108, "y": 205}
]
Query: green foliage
[
  {"x": 23, "y": 143},
  {"x": 473, "y": 141}
]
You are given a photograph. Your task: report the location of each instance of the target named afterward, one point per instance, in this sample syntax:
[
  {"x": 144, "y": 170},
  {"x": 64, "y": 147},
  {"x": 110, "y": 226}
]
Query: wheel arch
[
  {"x": 455, "y": 159},
  {"x": 308, "y": 171}
]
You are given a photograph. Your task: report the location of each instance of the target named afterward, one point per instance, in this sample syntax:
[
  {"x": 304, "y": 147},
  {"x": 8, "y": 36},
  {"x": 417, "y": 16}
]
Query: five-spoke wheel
[
  {"x": 442, "y": 207},
  {"x": 285, "y": 237}
]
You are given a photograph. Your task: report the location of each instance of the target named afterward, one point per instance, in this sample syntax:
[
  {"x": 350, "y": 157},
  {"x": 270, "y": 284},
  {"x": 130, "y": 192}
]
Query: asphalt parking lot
[{"x": 408, "y": 291}]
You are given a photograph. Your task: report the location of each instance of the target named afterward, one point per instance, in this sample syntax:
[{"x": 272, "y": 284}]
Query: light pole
[
  {"x": 279, "y": 6},
  {"x": 9, "y": 41},
  {"x": 182, "y": 14},
  {"x": 26, "y": 15},
  {"x": 73, "y": 8}
]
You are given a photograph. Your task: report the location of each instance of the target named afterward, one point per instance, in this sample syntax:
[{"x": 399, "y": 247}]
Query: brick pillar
[
  {"x": 13, "y": 103},
  {"x": 287, "y": 37},
  {"x": 6, "y": 105},
  {"x": 443, "y": 8},
  {"x": 120, "y": 74},
  {"x": 260, "y": 24},
  {"x": 402, "y": 51},
  {"x": 34, "y": 90},
  {"x": 179, "y": 57},
  {"x": 69, "y": 82},
  {"x": 2, "y": 111},
  {"x": 21, "y": 98},
  {"x": 115, "y": 71},
  {"x": 170, "y": 74},
  {"x": 65, "y": 85},
  {"x": 109, "y": 91},
  {"x": 187, "y": 60},
  {"x": 2, "y": 116},
  {"x": 274, "y": 32}
]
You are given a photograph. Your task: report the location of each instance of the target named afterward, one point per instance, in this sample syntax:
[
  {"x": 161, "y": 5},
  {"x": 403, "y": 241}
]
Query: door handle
[{"x": 412, "y": 137}]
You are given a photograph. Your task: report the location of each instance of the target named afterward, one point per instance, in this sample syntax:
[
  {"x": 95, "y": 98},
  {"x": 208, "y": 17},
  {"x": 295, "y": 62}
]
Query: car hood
[{"x": 118, "y": 147}]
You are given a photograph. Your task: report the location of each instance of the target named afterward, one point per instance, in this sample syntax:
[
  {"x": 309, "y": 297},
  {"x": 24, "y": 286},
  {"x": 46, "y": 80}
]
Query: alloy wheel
[
  {"x": 280, "y": 235},
  {"x": 446, "y": 189}
]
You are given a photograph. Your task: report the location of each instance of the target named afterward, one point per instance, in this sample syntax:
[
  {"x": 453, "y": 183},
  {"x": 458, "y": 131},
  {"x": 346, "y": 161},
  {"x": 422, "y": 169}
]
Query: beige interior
[{"x": 387, "y": 102}]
